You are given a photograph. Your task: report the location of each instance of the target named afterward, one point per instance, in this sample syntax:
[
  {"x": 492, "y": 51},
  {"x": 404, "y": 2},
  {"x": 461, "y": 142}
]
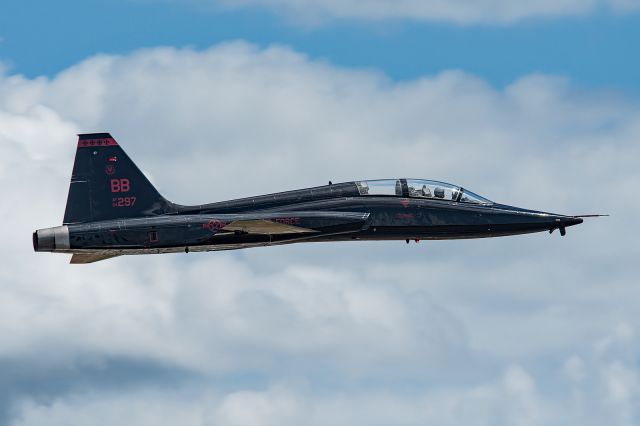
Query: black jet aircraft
[{"x": 112, "y": 210}]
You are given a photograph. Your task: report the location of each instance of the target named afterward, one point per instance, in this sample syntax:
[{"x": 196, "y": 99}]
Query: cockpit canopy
[{"x": 419, "y": 188}]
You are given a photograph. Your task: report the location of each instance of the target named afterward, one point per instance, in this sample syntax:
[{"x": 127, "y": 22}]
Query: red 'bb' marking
[{"x": 120, "y": 185}]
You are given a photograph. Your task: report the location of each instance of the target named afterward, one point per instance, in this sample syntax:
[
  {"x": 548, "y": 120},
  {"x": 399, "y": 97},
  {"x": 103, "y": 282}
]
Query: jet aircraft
[{"x": 112, "y": 209}]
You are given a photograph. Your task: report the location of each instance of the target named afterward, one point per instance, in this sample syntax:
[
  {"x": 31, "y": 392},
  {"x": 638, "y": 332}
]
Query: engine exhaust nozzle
[{"x": 51, "y": 239}]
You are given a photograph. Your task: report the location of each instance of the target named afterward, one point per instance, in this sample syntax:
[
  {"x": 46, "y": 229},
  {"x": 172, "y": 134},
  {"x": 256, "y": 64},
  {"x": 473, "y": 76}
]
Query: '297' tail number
[{"x": 123, "y": 201}]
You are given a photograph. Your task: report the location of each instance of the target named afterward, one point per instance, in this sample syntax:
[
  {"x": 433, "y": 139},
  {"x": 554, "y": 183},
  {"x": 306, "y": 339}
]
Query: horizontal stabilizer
[
  {"x": 90, "y": 257},
  {"x": 264, "y": 227}
]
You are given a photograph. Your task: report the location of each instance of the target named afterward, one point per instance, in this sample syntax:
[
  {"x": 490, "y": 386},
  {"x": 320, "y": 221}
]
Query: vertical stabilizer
[{"x": 106, "y": 184}]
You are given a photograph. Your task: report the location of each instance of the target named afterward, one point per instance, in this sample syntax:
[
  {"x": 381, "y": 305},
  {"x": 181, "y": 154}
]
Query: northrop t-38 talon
[{"x": 113, "y": 209}]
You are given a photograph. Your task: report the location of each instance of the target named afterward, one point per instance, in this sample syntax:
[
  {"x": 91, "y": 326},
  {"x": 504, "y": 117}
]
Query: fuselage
[
  {"x": 113, "y": 209},
  {"x": 337, "y": 212}
]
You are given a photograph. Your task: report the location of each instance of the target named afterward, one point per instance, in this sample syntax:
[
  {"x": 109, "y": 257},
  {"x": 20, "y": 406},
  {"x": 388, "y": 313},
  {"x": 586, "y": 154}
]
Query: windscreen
[{"x": 470, "y": 197}]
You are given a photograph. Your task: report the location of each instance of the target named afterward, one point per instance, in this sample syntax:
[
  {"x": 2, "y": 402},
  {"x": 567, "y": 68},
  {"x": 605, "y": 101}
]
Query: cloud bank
[
  {"x": 457, "y": 11},
  {"x": 523, "y": 330}
]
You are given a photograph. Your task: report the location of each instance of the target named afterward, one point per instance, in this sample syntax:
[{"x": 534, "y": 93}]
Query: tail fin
[{"x": 106, "y": 184}]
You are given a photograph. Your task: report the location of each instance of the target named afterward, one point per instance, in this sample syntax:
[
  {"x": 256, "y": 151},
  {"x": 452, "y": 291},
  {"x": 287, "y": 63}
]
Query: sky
[{"x": 530, "y": 104}]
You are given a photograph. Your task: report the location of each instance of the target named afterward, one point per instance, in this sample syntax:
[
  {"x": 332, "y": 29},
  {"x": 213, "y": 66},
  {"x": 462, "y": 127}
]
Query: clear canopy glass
[
  {"x": 420, "y": 188},
  {"x": 380, "y": 187},
  {"x": 470, "y": 197}
]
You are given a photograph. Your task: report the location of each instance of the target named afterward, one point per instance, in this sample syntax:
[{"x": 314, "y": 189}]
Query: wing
[
  {"x": 90, "y": 257},
  {"x": 291, "y": 223},
  {"x": 265, "y": 227}
]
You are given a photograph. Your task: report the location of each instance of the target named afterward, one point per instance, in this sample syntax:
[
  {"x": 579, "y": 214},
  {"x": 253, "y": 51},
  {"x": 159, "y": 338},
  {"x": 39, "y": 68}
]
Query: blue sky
[
  {"x": 533, "y": 104},
  {"x": 597, "y": 50}
]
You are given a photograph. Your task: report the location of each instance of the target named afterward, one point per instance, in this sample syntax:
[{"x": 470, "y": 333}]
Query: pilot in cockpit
[{"x": 426, "y": 192}]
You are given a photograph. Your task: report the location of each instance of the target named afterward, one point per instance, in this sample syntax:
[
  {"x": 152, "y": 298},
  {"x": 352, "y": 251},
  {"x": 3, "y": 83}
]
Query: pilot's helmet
[{"x": 438, "y": 192}]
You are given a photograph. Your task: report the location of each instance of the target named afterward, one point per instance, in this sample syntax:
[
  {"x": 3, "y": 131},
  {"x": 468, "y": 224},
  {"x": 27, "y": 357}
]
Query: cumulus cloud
[
  {"x": 447, "y": 331},
  {"x": 458, "y": 11}
]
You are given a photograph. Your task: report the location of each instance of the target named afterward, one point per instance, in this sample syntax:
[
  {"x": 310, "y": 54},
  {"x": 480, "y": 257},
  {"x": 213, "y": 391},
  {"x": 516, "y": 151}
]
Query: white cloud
[
  {"x": 512, "y": 397},
  {"x": 456, "y": 11},
  {"x": 463, "y": 329}
]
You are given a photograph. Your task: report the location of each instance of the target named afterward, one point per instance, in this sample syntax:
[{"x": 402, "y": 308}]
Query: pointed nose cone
[
  {"x": 570, "y": 221},
  {"x": 525, "y": 220},
  {"x": 561, "y": 223}
]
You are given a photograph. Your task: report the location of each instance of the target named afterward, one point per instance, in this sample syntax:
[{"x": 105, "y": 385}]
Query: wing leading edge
[{"x": 265, "y": 227}]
